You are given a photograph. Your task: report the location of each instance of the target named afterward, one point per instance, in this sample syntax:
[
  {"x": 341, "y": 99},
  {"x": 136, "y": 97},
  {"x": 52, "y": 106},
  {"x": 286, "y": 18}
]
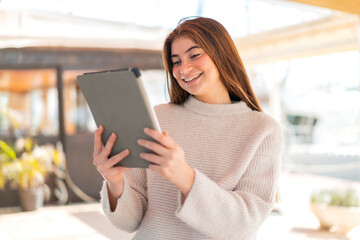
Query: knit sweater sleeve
[
  {"x": 132, "y": 204},
  {"x": 235, "y": 214}
]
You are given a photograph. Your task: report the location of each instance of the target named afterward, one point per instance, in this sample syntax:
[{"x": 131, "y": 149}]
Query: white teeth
[{"x": 192, "y": 78}]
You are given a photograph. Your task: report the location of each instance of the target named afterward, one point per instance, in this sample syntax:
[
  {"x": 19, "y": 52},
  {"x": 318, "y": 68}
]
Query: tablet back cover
[{"x": 118, "y": 101}]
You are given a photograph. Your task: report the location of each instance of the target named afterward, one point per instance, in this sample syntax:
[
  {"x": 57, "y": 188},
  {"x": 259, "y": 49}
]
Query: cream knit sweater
[{"x": 236, "y": 156}]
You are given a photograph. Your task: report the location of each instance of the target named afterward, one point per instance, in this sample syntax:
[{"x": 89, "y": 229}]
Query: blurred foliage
[
  {"x": 26, "y": 164},
  {"x": 337, "y": 197},
  {"x": 7, "y": 158}
]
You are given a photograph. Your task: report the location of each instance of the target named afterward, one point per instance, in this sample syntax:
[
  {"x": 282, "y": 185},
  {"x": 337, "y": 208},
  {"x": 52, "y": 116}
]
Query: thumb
[{"x": 165, "y": 133}]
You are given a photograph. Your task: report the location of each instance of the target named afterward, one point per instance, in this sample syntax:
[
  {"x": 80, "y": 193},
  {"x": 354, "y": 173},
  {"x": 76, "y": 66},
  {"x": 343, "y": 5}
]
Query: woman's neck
[{"x": 215, "y": 99}]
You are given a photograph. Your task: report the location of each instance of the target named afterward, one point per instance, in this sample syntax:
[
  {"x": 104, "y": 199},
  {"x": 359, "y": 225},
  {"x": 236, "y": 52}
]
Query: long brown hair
[{"x": 213, "y": 38}]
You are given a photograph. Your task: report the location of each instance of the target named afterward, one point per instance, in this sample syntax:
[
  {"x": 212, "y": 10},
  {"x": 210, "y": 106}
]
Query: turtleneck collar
[{"x": 208, "y": 109}]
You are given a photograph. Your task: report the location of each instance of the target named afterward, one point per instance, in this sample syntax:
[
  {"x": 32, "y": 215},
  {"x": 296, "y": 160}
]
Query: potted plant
[
  {"x": 337, "y": 209},
  {"x": 26, "y": 165}
]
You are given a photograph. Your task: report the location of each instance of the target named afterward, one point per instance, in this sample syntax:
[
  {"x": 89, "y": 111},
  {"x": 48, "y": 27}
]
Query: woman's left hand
[{"x": 170, "y": 160}]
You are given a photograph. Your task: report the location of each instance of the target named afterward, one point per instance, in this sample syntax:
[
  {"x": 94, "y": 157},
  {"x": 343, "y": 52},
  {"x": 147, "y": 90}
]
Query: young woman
[{"x": 217, "y": 165}]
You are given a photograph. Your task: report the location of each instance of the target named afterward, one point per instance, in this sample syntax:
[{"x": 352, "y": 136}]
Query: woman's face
[{"x": 196, "y": 73}]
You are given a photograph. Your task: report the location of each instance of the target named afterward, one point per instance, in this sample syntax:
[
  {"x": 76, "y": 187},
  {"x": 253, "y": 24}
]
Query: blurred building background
[{"x": 302, "y": 59}]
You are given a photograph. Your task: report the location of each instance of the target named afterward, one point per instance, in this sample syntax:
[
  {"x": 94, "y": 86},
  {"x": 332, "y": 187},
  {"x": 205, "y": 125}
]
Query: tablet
[{"x": 117, "y": 100}]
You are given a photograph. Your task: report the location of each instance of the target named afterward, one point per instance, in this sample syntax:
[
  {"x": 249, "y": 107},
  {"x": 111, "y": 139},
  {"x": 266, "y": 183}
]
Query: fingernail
[{"x": 146, "y": 130}]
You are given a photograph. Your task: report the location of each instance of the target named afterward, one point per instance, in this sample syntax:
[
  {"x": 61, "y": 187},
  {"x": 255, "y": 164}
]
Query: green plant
[
  {"x": 7, "y": 160},
  {"x": 337, "y": 197},
  {"x": 27, "y": 164}
]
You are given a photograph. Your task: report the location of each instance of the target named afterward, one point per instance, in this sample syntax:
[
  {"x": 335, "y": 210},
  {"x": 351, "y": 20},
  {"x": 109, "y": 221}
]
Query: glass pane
[{"x": 28, "y": 103}]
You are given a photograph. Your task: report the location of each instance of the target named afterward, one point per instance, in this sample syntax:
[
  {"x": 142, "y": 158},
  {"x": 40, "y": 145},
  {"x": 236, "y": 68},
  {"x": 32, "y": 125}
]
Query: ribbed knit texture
[{"x": 236, "y": 156}]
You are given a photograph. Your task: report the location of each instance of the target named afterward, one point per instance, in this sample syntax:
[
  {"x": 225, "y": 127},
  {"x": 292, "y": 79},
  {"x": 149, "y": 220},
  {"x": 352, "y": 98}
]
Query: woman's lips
[{"x": 192, "y": 79}]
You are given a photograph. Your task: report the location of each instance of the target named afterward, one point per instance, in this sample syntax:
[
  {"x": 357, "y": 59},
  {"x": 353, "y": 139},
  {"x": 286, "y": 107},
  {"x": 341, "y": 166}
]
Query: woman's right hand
[{"x": 105, "y": 166}]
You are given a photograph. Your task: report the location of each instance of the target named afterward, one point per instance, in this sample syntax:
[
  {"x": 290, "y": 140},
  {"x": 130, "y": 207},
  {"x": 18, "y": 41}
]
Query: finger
[
  {"x": 153, "y": 146},
  {"x": 163, "y": 139},
  {"x": 98, "y": 160},
  {"x": 153, "y": 158},
  {"x": 98, "y": 141},
  {"x": 109, "y": 144},
  {"x": 116, "y": 158}
]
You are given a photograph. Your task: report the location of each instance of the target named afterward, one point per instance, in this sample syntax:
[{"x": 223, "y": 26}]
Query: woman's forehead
[{"x": 181, "y": 45}]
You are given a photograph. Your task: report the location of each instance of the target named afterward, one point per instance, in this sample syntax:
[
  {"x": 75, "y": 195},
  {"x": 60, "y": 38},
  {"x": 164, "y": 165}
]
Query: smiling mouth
[{"x": 187, "y": 80}]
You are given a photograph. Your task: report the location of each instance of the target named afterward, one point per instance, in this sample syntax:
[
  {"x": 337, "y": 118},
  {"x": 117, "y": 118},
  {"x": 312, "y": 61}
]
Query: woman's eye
[
  {"x": 195, "y": 55},
  {"x": 176, "y": 63}
]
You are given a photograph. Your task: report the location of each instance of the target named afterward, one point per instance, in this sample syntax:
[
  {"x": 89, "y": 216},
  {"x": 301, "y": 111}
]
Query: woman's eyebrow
[{"x": 191, "y": 48}]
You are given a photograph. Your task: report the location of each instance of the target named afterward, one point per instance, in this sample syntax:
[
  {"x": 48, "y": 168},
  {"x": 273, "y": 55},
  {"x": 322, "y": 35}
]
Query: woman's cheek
[{"x": 176, "y": 74}]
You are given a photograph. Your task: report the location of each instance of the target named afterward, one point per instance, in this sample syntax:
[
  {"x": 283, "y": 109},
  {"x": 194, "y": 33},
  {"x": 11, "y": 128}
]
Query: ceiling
[
  {"x": 23, "y": 81},
  {"x": 348, "y": 6}
]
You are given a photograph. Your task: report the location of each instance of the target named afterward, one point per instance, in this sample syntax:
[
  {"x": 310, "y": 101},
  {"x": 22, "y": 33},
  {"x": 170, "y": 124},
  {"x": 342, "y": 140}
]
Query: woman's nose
[{"x": 185, "y": 68}]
